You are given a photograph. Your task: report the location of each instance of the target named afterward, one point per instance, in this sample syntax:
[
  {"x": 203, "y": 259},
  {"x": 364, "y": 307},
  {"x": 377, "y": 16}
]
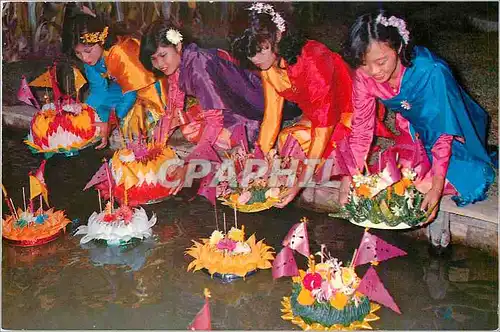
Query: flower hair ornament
[
  {"x": 173, "y": 36},
  {"x": 260, "y": 8},
  {"x": 398, "y": 23},
  {"x": 95, "y": 37}
]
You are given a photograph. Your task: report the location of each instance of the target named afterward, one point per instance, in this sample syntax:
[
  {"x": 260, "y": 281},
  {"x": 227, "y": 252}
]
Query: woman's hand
[
  {"x": 432, "y": 199},
  {"x": 103, "y": 131},
  {"x": 345, "y": 184},
  {"x": 177, "y": 174},
  {"x": 288, "y": 197}
]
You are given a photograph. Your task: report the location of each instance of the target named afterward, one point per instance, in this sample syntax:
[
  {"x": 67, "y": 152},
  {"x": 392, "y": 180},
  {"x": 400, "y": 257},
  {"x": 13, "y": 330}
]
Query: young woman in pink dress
[{"x": 432, "y": 112}]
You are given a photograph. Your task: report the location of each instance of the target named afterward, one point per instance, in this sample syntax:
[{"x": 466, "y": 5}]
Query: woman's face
[
  {"x": 167, "y": 58},
  {"x": 89, "y": 54},
  {"x": 265, "y": 58},
  {"x": 381, "y": 62}
]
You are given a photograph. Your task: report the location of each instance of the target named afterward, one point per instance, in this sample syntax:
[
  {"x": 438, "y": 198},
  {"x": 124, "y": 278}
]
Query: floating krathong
[
  {"x": 116, "y": 226},
  {"x": 63, "y": 126},
  {"x": 229, "y": 256},
  {"x": 142, "y": 168},
  {"x": 28, "y": 227},
  {"x": 330, "y": 296},
  {"x": 258, "y": 195}
]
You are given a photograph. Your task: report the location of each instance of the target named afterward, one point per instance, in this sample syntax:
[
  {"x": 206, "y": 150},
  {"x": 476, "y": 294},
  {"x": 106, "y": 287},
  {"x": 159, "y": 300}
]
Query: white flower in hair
[
  {"x": 398, "y": 23},
  {"x": 265, "y": 8},
  {"x": 174, "y": 36}
]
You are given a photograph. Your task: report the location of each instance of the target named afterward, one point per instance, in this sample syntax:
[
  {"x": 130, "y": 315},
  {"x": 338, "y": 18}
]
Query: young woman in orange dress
[
  {"x": 117, "y": 79},
  {"x": 302, "y": 71}
]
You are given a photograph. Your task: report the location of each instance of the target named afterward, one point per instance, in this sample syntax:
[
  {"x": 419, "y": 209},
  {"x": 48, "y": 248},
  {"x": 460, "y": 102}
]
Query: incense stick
[
  {"x": 109, "y": 184},
  {"x": 235, "y": 217},
  {"x": 353, "y": 257},
  {"x": 380, "y": 162},
  {"x": 216, "y": 219},
  {"x": 15, "y": 212},
  {"x": 24, "y": 199},
  {"x": 100, "y": 203},
  {"x": 322, "y": 254},
  {"x": 6, "y": 198},
  {"x": 243, "y": 146},
  {"x": 41, "y": 203},
  {"x": 224, "y": 216}
]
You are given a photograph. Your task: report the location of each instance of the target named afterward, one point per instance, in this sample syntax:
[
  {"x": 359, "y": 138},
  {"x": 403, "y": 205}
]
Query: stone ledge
[
  {"x": 17, "y": 116},
  {"x": 486, "y": 210}
]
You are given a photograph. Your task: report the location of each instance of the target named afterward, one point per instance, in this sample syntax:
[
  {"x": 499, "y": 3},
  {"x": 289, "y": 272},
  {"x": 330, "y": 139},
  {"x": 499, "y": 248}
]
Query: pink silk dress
[
  {"x": 365, "y": 92},
  {"x": 197, "y": 126}
]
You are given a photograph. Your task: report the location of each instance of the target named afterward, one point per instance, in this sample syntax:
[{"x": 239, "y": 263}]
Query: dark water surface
[{"x": 61, "y": 285}]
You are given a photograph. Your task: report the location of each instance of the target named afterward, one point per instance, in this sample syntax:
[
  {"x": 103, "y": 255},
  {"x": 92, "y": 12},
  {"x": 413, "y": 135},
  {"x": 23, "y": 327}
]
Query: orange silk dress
[
  {"x": 123, "y": 66},
  {"x": 320, "y": 84}
]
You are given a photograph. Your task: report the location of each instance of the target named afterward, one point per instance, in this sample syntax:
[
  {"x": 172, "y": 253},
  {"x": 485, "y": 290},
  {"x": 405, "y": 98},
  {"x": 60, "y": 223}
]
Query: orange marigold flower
[
  {"x": 400, "y": 187},
  {"x": 363, "y": 190}
]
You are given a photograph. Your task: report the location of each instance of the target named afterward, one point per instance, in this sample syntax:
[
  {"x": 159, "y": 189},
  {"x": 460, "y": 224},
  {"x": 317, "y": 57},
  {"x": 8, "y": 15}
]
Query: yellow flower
[
  {"x": 216, "y": 237},
  {"x": 348, "y": 276},
  {"x": 236, "y": 234}
]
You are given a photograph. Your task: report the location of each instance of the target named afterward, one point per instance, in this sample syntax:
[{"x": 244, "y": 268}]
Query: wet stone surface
[{"x": 62, "y": 285}]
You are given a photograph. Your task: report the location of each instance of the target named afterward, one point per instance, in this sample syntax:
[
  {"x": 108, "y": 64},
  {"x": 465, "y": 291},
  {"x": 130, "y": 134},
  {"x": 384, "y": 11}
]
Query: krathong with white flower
[
  {"x": 385, "y": 200},
  {"x": 228, "y": 255},
  {"x": 117, "y": 226}
]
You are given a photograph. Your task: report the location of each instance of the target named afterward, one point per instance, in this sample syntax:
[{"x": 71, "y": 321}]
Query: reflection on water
[
  {"x": 133, "y": 255},
  {"x": 62, "y": 285}
]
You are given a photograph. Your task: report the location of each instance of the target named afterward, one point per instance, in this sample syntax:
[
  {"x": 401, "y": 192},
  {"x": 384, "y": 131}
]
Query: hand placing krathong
[
  {"x": 287, "y": 196},
  {"x": 177, "y": 173},
  {"x": 102, "y": 130}
]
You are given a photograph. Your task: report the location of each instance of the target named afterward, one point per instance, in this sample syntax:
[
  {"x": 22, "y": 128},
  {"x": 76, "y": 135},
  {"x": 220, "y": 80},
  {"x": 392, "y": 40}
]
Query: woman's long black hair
[
  {"x": 156, "y": 35},
  {"x": 365, "y": 30},
  {"x": 259, "y": 29}
]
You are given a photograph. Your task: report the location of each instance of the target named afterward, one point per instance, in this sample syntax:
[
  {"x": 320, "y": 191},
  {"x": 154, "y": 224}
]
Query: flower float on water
[
  {"x": 34, "y": 228},
  {"x": 63, "y": 126},
  {"x": 258, "y": 194},
  {"x": 325, "y": 298},
  {"x": 117, "y": 227},
  {"x": 230, "y": 254}
]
